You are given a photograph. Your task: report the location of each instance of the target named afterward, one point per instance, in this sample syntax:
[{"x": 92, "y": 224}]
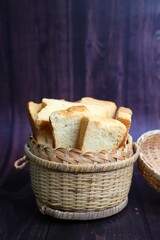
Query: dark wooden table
[{"x": 68, "y": 49}]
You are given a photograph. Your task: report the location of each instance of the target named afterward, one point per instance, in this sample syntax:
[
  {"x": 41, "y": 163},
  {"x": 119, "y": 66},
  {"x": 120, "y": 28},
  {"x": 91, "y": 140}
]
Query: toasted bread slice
[
  {"x": 43, "y": 136},
  {"x": 50, "y": 101},
  {"x": 109, "y": 107},
  {"x": 95, "y": 101},
  {"x": 98, "y": 134},
  {"x": 124, "y": 115},
  {"x": 66, "y": 125},
  {"x": 55, "y": 105},
  {"x": 32, "y": 111},
  {"x": 99, "y": 110}
]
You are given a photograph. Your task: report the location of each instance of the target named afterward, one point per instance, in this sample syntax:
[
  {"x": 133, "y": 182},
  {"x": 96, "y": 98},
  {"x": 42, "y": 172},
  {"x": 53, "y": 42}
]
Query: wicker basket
[
  {"x": 149, "y": 158},
  {"x": 71, "y": 185}
]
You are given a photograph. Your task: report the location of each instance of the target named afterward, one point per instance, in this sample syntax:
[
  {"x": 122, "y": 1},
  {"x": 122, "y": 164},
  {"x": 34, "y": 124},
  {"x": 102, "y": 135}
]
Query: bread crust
[
  {"x": 103, "y": 110},
  {"x": 102, "y": 134},
  {"x": 42, "y": 135},
  {"x": 89, "y": 119},
  {"x": 124, "y": 115},
  {"x": 32, "y": 111}
]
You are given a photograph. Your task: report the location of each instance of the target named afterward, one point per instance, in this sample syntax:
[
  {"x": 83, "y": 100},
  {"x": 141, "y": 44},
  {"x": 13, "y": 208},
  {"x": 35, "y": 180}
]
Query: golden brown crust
[
  {"x": 87, "y": 107},
  {"x": 82, "y": 130},
  {"x": 74, "y": 109},
  {"x": 42, "y": 135},
  {"x": 80, "y": 108},
  {"x": 124, "y": 115},
  {"x": 32, "y": 111}
]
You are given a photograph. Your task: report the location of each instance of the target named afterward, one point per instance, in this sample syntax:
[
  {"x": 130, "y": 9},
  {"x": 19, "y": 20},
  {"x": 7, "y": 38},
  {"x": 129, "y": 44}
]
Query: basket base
[{"x": 81, "y": 215}]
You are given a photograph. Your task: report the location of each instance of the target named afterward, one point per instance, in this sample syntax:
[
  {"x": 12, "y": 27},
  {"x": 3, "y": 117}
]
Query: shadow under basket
[
  {"x": 149, "y": 158},
  {"x": 75, "y": 186}
]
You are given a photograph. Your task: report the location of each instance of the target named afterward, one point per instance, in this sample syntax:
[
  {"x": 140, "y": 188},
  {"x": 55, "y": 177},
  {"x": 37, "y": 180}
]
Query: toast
[
  {"x": 43, "y": 136},
  {"x": 50, "y": 101},
  {"x": 98, "y": 134},
  {"x": 66, "y": 125},
  {"x": 124, "y": 115},
  {"x": 32, "y": 111},
  {"x": 87, "y": 125},
  {"x": 52, "y": 105},
  {"x": 109, "y": 107}
]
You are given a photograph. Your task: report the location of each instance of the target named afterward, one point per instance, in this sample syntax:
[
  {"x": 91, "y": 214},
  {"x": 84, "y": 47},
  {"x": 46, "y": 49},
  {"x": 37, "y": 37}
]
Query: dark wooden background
[{"x": 107, "y": 49}]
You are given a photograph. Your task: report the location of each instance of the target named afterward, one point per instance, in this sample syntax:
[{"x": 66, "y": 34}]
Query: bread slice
[
  {"x": 32, "y": 111},
  {"x": 66, "y": 125},
  {"x": 54, "y": 105},
  {"x": 108, "y": 107},
  {"x": 124, "y": 115},
  {"x": 43, "y": 136},
  {"x": 98, "y": 134},
  {"x": 98, "y": 110},
  {"x": 50, "y": 101},
  {"x": 95, "y": 101}
]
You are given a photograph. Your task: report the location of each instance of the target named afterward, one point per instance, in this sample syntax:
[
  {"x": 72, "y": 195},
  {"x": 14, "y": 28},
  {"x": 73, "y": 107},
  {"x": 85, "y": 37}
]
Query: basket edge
[
  {"x": 83, "y": 168},
  {"x": 92, "y": 215}
]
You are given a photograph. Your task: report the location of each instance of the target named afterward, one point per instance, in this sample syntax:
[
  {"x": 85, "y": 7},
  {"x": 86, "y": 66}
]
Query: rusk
[
  {"x": 43, "y": 135},
  {"x": 98, "y": 134},
  {"x": 95, "y": 109},
  {"x": 109, "y": 107},
  {"x": 124, "y": 115},
  {"x": 66, "y": 125}
]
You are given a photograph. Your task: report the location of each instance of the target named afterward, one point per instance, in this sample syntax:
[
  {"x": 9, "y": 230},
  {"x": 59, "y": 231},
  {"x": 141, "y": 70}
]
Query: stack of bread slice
[{"x": 87, "y": 125}]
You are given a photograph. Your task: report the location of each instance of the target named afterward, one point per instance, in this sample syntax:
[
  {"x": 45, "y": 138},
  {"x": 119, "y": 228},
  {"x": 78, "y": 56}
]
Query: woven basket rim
[
  {"x": 149, "y": 168},
  {"x": 76, "y": 156},
  {"x": 91, "y": 215},
  {"x": 142, "y": 159},
  {"x": 147, "y": 134},
  {"x": 82, "y": 168}
]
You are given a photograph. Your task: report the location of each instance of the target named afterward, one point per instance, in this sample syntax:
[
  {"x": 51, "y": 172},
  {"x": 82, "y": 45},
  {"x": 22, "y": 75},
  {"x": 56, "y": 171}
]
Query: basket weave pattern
[
  {"x": 75, "y": 156},
  {"x": 149, "y": 159},
  {"x": 80, "y": 192},
  {"x": 77, "y": 187}
]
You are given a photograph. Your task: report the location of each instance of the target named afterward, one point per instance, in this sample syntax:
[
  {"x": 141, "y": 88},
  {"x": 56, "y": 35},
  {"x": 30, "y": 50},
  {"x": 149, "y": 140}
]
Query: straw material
[
  {"x": 149, "y": 159},
  {"x": 75, "y": 187},
  {"x": 75, "y": 156},
  {"x": 82, "y": 215}
]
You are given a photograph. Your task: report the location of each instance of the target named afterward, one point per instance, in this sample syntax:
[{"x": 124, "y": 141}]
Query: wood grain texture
[
  {"x": 69, "y": 49},
  {"x": 106, "y": 50}
]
